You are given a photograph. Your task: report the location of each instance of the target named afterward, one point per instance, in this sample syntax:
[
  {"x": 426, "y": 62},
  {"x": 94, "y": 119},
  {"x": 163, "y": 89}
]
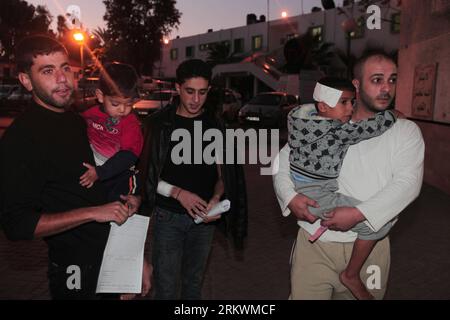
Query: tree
[
  {"x": 137, "y": 28},
  {"x": 19, "y": 19},
  {"x": 61, "y": 27},
  {"x": 103, "y": 35},
  {"x": 308, "y": 53}
]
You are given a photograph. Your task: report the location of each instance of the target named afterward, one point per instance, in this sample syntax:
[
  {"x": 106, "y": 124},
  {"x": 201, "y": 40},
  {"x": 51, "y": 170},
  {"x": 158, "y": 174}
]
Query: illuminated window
[
  {"x": 317, "y": 32},
  {"x": 257, "y": 42},
  {"x": 173, "y": 54},
  {"x": 395, "y": 23}
]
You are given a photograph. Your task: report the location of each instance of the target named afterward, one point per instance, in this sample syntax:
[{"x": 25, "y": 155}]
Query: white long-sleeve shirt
[{"x": 384, "y": 172}]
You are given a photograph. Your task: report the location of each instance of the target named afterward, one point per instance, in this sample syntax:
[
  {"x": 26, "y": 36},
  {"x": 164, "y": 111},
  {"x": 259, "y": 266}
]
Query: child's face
[
  {"x": 343, "y": 110},
  {"x": 115, "y": 106}
]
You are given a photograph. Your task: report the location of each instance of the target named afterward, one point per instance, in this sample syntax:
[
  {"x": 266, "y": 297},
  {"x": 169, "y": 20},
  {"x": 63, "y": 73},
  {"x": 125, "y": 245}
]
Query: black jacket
[{"x": 157, "y": 131}]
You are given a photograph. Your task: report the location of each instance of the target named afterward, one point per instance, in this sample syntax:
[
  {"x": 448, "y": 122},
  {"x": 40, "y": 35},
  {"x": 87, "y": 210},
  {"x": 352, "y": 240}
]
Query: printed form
[{"x": 121, "y": 269}]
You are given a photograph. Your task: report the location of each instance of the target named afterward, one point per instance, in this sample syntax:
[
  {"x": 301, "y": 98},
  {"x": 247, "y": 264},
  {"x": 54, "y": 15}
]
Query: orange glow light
[{"x": 78, "y": 36}]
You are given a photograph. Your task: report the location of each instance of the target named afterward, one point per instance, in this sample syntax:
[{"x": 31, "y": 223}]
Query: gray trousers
[{"x": 324, "y": 192}]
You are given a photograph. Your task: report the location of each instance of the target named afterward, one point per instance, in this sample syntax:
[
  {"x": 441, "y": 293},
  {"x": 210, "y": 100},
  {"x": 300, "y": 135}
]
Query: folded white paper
[
  {"x": 121, "y": 269},
  {"x": 219, "y": 208}
]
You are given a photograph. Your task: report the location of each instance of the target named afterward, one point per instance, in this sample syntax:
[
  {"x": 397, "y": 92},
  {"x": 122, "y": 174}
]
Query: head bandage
[{"x": 323, "y": 93}]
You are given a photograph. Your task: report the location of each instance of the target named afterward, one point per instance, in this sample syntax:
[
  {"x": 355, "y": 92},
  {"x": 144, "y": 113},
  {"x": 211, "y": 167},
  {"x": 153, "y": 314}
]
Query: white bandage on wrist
[
  {"x": 326, "y": 94},
  {"x": 164, "y": 188}
]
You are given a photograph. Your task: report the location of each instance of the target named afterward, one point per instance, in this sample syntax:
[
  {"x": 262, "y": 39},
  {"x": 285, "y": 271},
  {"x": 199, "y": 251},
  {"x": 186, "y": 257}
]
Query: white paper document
[
  {"x": 219, "y": 208},
  {"x": 121, "y": 269}
]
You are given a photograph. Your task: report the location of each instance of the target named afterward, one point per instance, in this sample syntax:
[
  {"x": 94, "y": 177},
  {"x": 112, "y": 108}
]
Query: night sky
[{"x": 197, "y": 15}]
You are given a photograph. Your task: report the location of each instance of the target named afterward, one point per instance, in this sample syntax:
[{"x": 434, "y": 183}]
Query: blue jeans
[{"x": 179, "y": 252}]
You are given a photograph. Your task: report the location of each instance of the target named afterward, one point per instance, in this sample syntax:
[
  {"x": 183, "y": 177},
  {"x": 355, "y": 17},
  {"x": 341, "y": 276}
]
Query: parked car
[
  {"x": 14, "y": 98},
  {"x": 19, "y": 93},
  {"x": 149, "y": 84},
  {"x": 5, "y": 90},
  {"x": 153, "y": 101},
  {"x": 231, "y": 104},
  {"x": 269, "y": 108}
]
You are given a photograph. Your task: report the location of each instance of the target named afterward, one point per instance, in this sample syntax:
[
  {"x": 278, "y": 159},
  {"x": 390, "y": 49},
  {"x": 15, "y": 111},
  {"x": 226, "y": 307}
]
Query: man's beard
[
  {"x": 370, "y": 103},
  {"x": 49, "y": 100}
]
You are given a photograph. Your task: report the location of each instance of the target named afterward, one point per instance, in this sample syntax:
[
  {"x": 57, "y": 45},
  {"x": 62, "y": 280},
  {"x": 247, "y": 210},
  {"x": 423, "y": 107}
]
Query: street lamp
[
  {"x": 78, "y": 36},
  {"x": 165, "y": 41}
]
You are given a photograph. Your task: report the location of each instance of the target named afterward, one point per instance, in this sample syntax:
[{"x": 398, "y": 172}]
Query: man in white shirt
[{"x": 385, "y": 173}]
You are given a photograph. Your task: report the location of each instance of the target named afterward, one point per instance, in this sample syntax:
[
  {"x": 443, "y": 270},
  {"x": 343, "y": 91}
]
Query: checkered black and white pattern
[{"x": 318, "y": 145}]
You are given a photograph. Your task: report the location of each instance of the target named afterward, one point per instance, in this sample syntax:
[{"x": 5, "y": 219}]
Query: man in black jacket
[
  {"x": 180, "y": 246},
  {"x": 41, "y": 160}
]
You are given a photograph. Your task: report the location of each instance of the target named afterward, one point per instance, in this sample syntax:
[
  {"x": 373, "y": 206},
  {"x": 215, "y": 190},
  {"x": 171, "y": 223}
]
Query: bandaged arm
[{"x": 164, "y": 188}]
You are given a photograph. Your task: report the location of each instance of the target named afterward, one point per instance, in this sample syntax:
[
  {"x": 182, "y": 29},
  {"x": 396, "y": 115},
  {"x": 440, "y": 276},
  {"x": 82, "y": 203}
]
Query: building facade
[{"x": 260, "y": 38}]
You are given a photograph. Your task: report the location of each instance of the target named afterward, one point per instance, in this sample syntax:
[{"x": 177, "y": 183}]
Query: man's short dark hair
[
  {"x": 367, "y": 54},
  {"x": 337, "y": 83},
  {"x": 32, "y": 46},
  {"x": 119, "y": 79},
  {"x": 192, "y": 69}
]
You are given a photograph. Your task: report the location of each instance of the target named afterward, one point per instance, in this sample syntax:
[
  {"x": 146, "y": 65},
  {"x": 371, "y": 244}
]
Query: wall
[
  {"x": 279, "y": 29},
  {"x": 246, "y": 32},
  {"x": 425, "y": 39}
]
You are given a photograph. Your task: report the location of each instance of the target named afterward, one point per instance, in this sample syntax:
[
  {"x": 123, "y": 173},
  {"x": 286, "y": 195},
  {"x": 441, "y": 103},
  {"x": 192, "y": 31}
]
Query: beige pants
[{"x": 315, "y": 269}]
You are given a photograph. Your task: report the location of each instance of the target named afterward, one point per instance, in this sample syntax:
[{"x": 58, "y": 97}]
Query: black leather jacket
[{"x": 157, "y": 131}]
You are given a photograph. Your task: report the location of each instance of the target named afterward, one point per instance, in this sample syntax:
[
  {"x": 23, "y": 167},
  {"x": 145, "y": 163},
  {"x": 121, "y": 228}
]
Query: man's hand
[
  {"x": 113, "y": 211},
  {"x": 89, "y": 177},
  {"x": 342, "y": 218},
  {"x": 299, "y": 207},
  {"x": 194, "y": 205},
  {"x": 132, "y": 202},
  {"x": 147, "y": 271},
  {"x": 214, "y": 200}
]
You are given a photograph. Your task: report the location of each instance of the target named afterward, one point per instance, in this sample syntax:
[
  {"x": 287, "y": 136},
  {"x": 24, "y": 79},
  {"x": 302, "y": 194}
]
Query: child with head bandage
[{"x": 319, "y": 137}]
